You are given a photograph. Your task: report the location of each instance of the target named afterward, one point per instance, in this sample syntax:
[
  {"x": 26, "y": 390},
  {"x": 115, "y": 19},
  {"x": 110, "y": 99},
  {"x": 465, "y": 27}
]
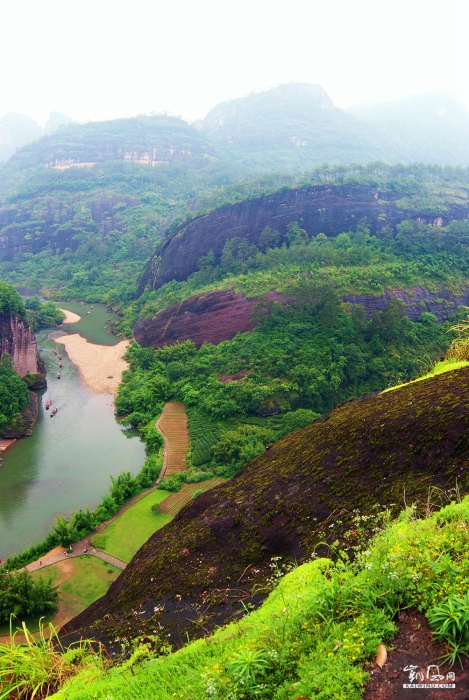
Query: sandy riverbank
[
  {"x": 70, "y": 317},
  {"x": 5, "y": 443},
  {"x": 101, "y": 366}
]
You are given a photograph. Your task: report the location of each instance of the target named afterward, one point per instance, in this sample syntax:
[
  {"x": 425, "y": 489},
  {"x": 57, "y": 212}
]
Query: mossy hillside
[
  {"x": 216, "y": 555},
  {"x": 312, "y": 635}
]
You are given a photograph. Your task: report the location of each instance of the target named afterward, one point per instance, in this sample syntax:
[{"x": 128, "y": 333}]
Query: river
[{"x": 65, "y": 465}]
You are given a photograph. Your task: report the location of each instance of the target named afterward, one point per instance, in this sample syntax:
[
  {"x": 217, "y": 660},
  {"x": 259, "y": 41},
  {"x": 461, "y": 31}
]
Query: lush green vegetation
[
  {"x": 125, "y": 535},
  {"x": 308, "y": 355},
  {"x": 41, "y": 315},
  {"x": 21, "y": 595},
  {"x": 10, "y": 301},
  {"x": 13, "y": 390},
  {"x": 13, "y": 393},
  {"x": 321, "y": 622}
]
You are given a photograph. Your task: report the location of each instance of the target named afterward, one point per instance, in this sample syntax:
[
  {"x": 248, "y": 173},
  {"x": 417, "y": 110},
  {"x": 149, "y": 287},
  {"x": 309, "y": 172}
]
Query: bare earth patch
[
  {"x": 414, "y": 660},
  {"x": 101, "y": 366}
]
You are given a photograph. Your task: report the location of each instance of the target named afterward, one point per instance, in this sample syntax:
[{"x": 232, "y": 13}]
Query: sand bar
[
  {"x": 70, "y": 317},
  {"x": 101, "y": 366},
  {"x": 5, "y": 443}
]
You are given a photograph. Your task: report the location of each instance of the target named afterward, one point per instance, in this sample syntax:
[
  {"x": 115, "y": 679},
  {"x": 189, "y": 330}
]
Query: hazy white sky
[{"x": 97, "y": 59}]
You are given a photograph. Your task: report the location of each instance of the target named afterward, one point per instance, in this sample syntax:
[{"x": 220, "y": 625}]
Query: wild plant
[
  {"x": 450, "y": 621},
  {"x": 248, "y": 667},
  {"x": 37, "y": 668}
]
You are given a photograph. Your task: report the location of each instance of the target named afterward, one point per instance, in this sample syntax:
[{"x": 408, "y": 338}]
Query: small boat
[
  {"x": 55, "y": 352},
  {"x": 48, "y": 404},
  {"x": 88, "y": 313},
  {"x": 59, "y": 357},
  {"x": 91, "y": 307},
  {"x": 58, "y": 375},
  {"x": 54, "y": 411},
  {"x": 60, "y": 364}
]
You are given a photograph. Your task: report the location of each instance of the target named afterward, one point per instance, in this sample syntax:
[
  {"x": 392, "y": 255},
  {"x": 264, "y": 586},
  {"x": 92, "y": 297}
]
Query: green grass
[
  {"x": 124, "y": 537},
  {"x": 438, "y": 368},
  {"x": 81, "y": 580}
]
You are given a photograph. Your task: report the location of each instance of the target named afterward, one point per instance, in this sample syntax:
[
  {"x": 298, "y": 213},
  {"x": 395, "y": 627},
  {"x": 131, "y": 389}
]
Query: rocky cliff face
[
  {"x": 204, "y": 318},
  {"x": 18, "y": 340},
  {"x": 59, "y": 225},
  {"x": 220, "y": 315},
  {"x": 318, "y": 209},
  {"x": 417, "y": 300}
]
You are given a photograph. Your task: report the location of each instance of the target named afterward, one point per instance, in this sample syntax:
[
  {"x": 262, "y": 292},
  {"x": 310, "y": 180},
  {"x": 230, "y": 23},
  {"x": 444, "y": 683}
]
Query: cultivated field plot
[
  {"x": 173, "y": 425},
  {"x": 173, "y": 503}
]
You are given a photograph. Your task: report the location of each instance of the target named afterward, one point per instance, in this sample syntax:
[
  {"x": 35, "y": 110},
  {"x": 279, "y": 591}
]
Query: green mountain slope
[{"x": 292, "y": 127}]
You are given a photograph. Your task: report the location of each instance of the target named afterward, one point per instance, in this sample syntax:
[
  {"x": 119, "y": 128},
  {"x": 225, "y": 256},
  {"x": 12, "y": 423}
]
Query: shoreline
[
  {"x": 70, "y": 317},
  {"x": 5, "y": 443},
  {"x": 100, "y": 366}
]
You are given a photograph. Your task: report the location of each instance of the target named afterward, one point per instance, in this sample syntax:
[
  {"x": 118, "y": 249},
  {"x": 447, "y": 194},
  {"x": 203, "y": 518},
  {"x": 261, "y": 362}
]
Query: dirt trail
[{"x": 172, "y": 424}]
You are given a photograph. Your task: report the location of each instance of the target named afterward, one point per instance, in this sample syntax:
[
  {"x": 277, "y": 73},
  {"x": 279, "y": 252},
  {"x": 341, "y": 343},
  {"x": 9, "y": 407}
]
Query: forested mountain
[
  {"x": 84, "y": 207},
  {"x": 292, "y": 127}
]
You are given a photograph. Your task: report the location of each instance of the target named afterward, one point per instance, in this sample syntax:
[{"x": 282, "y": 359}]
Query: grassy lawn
[
  {"x": 438, "y": 368},
  {"x": 82, "y": 580},
  {"x": 124, "y": 537}
]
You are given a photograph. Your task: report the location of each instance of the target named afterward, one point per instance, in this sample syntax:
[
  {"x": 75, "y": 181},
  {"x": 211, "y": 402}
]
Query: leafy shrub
[
  {"x": 194, "y": 477},
  {"x": 99, "y": 540}
]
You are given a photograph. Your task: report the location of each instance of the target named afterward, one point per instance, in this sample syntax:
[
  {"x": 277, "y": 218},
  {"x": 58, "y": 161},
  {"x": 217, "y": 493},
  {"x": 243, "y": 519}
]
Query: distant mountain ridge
[
  {"x": 16, "y": 130},
  {"x": 291, "y": 127}
]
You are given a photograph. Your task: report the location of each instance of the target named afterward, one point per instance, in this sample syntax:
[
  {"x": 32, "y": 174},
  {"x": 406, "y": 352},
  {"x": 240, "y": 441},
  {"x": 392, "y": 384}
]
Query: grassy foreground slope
[
  {"x": 313, "y": 634},
  {"x": 215, "y": 557}
]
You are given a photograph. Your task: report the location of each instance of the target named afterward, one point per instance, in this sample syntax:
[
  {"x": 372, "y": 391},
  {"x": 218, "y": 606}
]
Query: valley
[{"x": 269, "y": 359}]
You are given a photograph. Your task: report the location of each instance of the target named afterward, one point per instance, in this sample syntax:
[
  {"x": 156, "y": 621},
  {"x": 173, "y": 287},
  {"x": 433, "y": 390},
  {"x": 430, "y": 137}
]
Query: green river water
[{"x": 65, "y": 465}]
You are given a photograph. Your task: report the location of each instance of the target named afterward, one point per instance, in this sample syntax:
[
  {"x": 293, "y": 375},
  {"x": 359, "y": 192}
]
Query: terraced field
[
  {"x": 173, "y": 503},
  {"x": 173, "y": 426}
]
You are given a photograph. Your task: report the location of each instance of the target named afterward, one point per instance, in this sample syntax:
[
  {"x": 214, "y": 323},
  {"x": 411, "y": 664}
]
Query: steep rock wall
[
  {"x": 318, "y": 209},
  {"x": 220, "y": 315},
  {"x": 204, "y": 318},
  {"x": 18, "y": 340},
  {"x": 417, "y": 300}
]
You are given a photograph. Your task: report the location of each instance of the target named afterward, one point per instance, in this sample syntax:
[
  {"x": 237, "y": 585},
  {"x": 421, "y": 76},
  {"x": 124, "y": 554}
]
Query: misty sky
[{"x": 98, "y": 59}]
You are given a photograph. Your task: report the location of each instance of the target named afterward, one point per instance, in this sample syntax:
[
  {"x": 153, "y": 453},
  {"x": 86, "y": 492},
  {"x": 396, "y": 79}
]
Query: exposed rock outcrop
[
  {"x": 317, "y": 209},
  {"x": 204, "y": 318},
  {"x": 204, "y": 567},
  {"x": 417, "y": 300},
  {"x": 18, "y": 340}
]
